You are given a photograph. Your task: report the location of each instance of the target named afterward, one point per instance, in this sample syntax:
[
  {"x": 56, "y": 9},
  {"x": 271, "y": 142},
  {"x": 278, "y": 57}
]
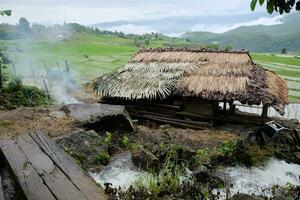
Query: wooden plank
[
  {"x": 27, "y": 177},
  {"x": 1, "y": 190},
  {"x": 178, "y": 123},
  {"x": 69, "y": 167},
  {"x": 182, "y": 121},
  {"x": 58, "y": 183}
]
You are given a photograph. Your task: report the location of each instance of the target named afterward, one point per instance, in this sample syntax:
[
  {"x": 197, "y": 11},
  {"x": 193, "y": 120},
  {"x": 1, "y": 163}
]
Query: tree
[
  {"x": 3, "y": 59},
  {"x": 228, "y": 48},
  {"x": 281, "y": 6},
  {"x": 24, "y": 29},
  {"x": 5, "y": 12},
  {"x": 147, "y": 42},
  {"x": 284, "y": 51}
]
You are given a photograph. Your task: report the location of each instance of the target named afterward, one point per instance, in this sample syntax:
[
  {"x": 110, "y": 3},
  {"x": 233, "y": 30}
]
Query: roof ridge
[{"x": 185, "y": 49}]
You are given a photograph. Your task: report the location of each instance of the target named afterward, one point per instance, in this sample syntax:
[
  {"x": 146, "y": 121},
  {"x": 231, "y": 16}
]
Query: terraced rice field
[{"x": 288, "y": 67}]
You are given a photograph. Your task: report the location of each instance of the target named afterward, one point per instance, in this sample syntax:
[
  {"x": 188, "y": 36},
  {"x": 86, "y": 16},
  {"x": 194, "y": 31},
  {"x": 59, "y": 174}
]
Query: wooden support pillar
[
  {"x": 264, "y": 113},
  {"x": 224, "y": 106},
  {"x": 231, "y": 108}
]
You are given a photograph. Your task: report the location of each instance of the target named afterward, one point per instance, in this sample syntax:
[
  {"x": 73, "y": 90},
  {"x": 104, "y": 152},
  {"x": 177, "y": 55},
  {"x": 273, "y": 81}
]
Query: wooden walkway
[{"x": 45, "y": 172}]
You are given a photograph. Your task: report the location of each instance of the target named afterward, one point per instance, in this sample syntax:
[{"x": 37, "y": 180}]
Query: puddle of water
[
  {"x": 119, "y": 172},
  {"x": 253, "y": 180}
]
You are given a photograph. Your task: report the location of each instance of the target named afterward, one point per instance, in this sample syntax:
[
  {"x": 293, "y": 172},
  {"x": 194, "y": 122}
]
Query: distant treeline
[{"x": 23, "y": 29}]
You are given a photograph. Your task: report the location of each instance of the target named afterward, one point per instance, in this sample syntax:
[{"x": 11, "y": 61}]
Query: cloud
[
  {"x": 221, "y": 28},
  {"x": 95, "y": 11}
]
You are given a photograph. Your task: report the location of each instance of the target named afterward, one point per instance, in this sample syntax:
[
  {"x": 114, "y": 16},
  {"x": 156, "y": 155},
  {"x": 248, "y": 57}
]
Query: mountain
[
  {"x": 176, "y": 25},
  {"x": 259, "y": 38}
]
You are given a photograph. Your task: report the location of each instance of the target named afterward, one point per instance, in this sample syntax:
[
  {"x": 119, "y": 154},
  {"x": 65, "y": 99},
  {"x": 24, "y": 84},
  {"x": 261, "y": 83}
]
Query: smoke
[{"x": 56, "y": 79}]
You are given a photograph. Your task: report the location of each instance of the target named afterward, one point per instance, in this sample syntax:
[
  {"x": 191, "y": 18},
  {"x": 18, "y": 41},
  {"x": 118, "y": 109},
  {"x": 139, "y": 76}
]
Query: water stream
[
  {"x": 253, "y": 180},
  {"x": 122, "y": 172}
]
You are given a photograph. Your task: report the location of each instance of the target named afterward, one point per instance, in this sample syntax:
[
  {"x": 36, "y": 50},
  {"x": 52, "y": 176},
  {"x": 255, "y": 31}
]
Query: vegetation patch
[
  {"x": 102, "y": 158},
  {"x": 15, "y": 94}
]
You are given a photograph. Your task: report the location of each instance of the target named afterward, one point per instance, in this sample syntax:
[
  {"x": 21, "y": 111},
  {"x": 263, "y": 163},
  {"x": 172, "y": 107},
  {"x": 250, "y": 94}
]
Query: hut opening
[{"x": 192, "y": 83}]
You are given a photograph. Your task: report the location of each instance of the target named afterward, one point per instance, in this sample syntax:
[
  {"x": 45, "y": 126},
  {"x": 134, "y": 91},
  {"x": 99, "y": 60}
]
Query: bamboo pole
[
  {"x": 14, "y": 69},
  {"x": 46, "y": 88},
  {"x": 32, "y": 72},
  {"x": 67, "y": 66}
]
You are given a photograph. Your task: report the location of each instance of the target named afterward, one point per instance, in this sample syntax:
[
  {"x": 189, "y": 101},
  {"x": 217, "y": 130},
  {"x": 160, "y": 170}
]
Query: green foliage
[
  {"x": 147, "y": 42},
  {"x": 102, "y": 158},
  {"x": 277, "y": 5},
  {"x": 253, "y": 4},
  {"x": 168, "y": 179},
  {"x": 202, "y": 157},
  {"x": 16, "y": 94},
  {"x": 23, "y": 28},
  {"x": 5, "y": 12},
  {"x": 228, "y": 149},
  {"x": 108, "y": 138},
  {"x": 125, "y": 142},
  {"x": 258, "y": 155}
]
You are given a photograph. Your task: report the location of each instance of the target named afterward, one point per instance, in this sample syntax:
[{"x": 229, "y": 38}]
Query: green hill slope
[{"x": 258, "y": 38}]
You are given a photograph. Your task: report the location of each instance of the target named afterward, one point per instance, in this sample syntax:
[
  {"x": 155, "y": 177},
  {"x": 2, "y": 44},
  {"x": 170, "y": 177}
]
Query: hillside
[{"x": 258, "y": 38}]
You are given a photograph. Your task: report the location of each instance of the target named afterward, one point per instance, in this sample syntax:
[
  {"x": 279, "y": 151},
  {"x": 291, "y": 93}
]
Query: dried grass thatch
[{"x": 219, "y": 76}]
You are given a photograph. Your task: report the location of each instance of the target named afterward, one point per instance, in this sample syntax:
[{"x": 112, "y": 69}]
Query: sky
[{"x": 140, "y": 16}]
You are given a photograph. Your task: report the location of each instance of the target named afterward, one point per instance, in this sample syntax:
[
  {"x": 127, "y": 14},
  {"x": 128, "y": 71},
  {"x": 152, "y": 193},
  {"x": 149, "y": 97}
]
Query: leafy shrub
[
  {"x": 16, "y": 94},
  {"x": 108, "y": 138},
  {"x": 102, "y": 158},
  {"x": 167, "y": 180},
  {"x": 125, "y": 142}
]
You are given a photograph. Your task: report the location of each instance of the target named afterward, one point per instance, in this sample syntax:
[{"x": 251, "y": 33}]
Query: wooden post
[
  {"x": 264, "y": 113},
  {"x": 46, "y": 88},
  {"x": 57, "y": 64},
  {"x": 67, "y": 66},
  {"x": 32, "y": 72},
  {"x": 224, "y": 106},
  {"x": 232, "y": 107},
  {"x": 14, "y": 69}
]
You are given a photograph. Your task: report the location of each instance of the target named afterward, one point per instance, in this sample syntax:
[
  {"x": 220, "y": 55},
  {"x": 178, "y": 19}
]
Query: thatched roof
[{"x": 214, "y": 75}]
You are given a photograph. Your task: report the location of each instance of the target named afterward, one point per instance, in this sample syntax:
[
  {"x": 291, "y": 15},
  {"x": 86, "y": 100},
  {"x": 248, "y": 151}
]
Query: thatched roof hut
[{"x": 211, "y": 75}]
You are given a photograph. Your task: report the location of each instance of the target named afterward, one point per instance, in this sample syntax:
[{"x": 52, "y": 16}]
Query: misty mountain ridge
[{"x": 258, "y": 38}]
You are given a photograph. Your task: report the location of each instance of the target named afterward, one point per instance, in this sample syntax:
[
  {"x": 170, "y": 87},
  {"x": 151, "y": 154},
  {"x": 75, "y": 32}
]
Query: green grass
[
  {"x": 286, "y": 66},
  {"x": 88, "y": 55},
  {"x": 282, "y": 59}
]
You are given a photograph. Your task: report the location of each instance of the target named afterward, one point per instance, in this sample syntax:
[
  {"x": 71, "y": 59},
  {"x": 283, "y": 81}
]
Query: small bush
[
  {"x": 125, "y": 142},
  {"x": 102, "y": 158},
  {"x": 108, "y": 138},
  {"x": 16, "y": 94}
]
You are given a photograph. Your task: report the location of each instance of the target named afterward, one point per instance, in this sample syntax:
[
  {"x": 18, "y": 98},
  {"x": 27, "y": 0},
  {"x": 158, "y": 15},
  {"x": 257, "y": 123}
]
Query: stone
[
  {"x": 187, "y": 154},
  {"x": 144, "y": 159},
  {"x": 83, "y": 146},
  {"x": 100, "y": 115},
  {"x": 202, "y": 174}
]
